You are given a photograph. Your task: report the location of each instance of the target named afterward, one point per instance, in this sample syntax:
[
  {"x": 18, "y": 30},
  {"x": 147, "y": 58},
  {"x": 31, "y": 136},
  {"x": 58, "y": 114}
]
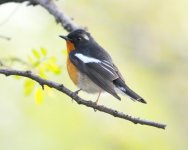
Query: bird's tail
[{"x": 125, "y": 89}]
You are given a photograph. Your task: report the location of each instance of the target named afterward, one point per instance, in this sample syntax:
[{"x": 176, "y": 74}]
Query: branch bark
[
  {"x": 6, "y": 1},
  {"x": 69, "y": 25},
  {"x": 63, "y": 89},
  {"x": 52, "y": 8}
]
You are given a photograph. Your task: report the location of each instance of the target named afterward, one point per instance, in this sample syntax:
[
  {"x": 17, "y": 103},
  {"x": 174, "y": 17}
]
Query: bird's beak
[{"x": 64, "y": 37}]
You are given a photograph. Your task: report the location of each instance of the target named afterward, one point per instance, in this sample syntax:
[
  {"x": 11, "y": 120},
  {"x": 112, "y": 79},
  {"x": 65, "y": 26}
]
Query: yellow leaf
[
  {"x": 43, "y": 51},
  {"x": 57, "y": 71},
  {"x": 36, "y": 54},
  {"x": 39, "y": 96},
  {"x": 28, "y": 86},
  {"x": 42, "y": 74},
  {"x": 31, "y": 60},
  {"x": 54, "y": 68},
  {"x": 52, "y": 59},
  {"x": 41, "y": 68},
  {"x": 36, "y": 63}
]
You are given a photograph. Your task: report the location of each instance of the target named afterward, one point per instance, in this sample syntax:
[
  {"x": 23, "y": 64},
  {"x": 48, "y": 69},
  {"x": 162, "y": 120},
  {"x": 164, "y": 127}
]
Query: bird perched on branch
[{"x": 91, "y": 68}]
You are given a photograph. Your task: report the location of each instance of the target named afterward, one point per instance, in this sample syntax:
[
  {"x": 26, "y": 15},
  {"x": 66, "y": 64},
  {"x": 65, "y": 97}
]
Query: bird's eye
[{"x": 79, "y": 38}]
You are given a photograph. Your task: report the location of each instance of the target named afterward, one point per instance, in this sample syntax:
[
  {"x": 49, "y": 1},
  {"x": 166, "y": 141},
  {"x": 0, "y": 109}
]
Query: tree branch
[
  {"x": 52, "y": 8},
  {"x": 63, "y": 89},
  {"x": 6, "y": 1}
]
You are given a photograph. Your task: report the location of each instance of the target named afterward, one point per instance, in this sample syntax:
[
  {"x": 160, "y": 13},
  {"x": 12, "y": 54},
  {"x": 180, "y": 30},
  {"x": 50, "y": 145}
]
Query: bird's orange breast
[{"x": 72, "y": 70}]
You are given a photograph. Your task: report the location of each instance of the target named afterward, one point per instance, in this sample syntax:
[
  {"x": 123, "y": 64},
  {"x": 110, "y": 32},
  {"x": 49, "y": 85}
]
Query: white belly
[{"x": 87, "y": 85}]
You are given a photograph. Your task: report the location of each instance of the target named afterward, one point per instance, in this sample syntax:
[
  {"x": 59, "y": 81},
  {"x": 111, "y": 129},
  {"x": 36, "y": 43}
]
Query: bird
[{"x": 92, "y": 69}]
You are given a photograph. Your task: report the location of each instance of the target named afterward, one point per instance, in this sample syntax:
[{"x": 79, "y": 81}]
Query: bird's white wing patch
[{"x": 87, "y": 59}]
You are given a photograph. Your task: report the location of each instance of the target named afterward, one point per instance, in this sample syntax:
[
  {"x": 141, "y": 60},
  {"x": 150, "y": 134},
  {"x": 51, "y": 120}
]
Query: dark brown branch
[
  {"x": 65, "y": 21},
  {"x": 63, "y": 89},
  {"x": 51, "y": 7}
]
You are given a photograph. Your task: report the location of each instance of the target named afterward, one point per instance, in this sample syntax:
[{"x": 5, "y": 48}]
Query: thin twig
[
  {"x": 73, "y": 95},
  {"x": 5, "y": 37},
  {"x": 9, "y": 16},
  {"x": 59, "y": 15},
  {"x": 16, "y": 60}
]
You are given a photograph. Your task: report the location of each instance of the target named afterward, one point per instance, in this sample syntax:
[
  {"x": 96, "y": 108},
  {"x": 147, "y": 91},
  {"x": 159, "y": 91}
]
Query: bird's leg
[
  {"x": 76, "y": 92},
  {"x": 98, "y": 98}
]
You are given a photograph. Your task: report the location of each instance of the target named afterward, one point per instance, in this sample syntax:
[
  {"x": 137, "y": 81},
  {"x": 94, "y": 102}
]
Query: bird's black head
[{"x": 78, "y": 37}]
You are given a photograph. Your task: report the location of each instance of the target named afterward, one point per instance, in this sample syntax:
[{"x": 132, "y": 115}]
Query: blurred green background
[{"x": 147, "y": 40}]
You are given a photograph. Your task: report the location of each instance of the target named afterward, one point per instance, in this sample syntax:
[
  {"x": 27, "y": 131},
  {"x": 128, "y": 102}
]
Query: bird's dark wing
[
  {"x": 120, "y": 84},
  {"x": 100, "y": 72}
]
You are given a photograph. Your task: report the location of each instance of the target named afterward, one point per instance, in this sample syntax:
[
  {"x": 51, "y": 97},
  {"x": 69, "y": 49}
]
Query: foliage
[{"x": 43, "y": 65}]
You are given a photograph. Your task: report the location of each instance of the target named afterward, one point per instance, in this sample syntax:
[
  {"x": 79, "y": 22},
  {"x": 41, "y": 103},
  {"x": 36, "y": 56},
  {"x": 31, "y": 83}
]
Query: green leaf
[
  {"x": 52, "y": 59},
  {"x": 31, "y": 60},
  {"x": 28, "y": 86},
  {"x": 53, "y": 67},
  {"x": 42, "y": 74},
  {"x": 39, "y": 96},
  {"x": 36, "y": 54},
  {"x": 43, "y": 51},
  {"x": 36, "y": 63}
]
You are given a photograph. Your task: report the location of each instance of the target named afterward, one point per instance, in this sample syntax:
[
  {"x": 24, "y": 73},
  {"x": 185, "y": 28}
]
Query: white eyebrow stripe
[
  {"x": 87, "y": 59},
  {"x": 85, "y": 37}
]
